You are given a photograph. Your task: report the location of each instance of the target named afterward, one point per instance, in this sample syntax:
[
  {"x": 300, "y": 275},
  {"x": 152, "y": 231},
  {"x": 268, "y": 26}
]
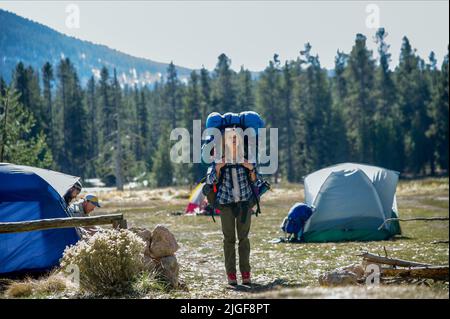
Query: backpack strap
[
  {"x": 215, "y": 190},
  {"x": 258, "y": 208}
]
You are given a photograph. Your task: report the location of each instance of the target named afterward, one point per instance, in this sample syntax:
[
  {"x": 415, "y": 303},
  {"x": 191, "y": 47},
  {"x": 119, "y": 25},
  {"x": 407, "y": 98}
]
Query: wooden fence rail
[{"x": 116, "y": 220}]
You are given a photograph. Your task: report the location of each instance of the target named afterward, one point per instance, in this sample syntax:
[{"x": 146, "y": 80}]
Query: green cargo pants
[{"x": 232, "y": 222}]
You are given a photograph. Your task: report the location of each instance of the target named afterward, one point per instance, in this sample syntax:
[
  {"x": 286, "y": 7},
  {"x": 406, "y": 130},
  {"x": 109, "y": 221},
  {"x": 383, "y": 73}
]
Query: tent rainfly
[
  {"x": 350, "y": 202},
  {"x": 197, "y": 201}
]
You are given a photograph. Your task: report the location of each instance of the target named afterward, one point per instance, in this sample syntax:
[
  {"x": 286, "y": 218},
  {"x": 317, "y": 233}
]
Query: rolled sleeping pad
[
  {"x": 251, "y": 119},
  {"x": 231, "y": 119},
  {"x": 244, "y": 119},
  {"x": 214, "y": 120}
]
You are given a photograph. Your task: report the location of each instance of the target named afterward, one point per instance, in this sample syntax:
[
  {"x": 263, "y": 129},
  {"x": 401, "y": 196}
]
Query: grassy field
[
  {"x": 288, "y": 270},
  {"x": 291, "y": 269}
]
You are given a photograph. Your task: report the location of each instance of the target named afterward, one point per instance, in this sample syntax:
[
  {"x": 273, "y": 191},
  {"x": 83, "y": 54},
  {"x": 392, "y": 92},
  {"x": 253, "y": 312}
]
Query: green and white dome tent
[{"x": 351, "y": 201}]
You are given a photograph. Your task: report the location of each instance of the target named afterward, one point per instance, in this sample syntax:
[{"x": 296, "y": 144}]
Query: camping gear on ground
[
  {"x": 30, "y": 193},
  {"x": 294, "y": 222},
  {"x": 351, "y": 201}
]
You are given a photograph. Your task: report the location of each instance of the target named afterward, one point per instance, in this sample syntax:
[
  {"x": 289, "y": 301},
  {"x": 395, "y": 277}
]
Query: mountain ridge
[{"x": 25, "y": 40}]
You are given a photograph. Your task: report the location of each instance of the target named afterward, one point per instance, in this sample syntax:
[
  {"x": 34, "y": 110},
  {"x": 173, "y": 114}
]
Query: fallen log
[
  {"x": 412, "y": 219},
  {"x": 16, "y": 227},
  {"x": 390, "y": 261},
  {"x": 440, "y": 242},
  {"x": 431, "y": 272}
]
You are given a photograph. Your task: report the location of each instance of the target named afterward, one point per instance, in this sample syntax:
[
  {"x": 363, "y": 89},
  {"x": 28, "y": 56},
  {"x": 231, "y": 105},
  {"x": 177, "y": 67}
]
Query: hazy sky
[{"x": 194, "y": 33}]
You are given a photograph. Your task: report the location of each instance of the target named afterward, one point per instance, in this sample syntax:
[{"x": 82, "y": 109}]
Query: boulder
[
  {"x": 143, "y": 233},
  {"x": 163, "y": 243},
  {"x": 170, "y": 270},
  {"x": 146, "y": 235},
  {"x": 338, "y": 278},
  {"x": 159, "y": 253}
]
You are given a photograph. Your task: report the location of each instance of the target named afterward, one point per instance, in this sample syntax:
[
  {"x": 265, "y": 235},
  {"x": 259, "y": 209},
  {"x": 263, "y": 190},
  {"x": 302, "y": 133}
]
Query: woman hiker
[{"x": 234, "y": 199}]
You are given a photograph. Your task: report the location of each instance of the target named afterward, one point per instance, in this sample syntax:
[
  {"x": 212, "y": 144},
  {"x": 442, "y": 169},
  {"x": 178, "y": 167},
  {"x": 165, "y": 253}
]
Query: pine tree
[
  {"x": 105, "y": 100},
  {"x": 16, "y": 122},
  {"x": 137, "y": 137},
  {"x": 26, "y": 83},
  {"x": 413, "y": 97},
  {"x": 173, "y": 95},
  {"x": 339, "y": 92},
  {"x": 193, "y": 171},
  {"x": 74, "y": 150},
  {"x": 157, "y": 119},
  {"x": 268, "y": 98},
  {"x": 439, "y": 113},
  {"x": 205, "y": 95},
  {"x": 3, "y": 86},
  {"x": 359, "y": 102},
  {"x": 245, "y": 94},
  {"x": 314, "y": 99},
  {"x": 47, "y": 79},
  {"x": 116, "y": 107},
  {"x": 432, "y": 78},
  {"x": 224, "y": 96},
  {"x": 162, "y": 170},
  {"x": 287, "y": 131},
  {"x": 387, "y": 140},
  {"x": 64, "y": 96},
  {"x": 94, "y": 123}
]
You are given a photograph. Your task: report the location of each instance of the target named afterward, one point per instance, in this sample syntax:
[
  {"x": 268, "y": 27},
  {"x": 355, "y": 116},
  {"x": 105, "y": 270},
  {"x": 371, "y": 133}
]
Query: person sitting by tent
[
  {"x": 72, "y": 193},
  {"x": 84, "y": 208},
  {"x": 233, "y": 198}
]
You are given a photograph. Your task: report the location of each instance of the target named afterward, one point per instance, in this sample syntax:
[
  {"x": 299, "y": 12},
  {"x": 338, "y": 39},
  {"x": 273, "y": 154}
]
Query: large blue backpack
[
  {"x": 244, "y": 120},
  {"x": 296, "y": 219}
]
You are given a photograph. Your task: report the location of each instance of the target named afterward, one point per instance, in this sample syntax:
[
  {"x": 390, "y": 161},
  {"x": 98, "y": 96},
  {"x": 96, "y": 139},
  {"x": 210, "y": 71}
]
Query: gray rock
[
  {"x": 143, "y": 233},
  {"x": 163, "y": 243},
  {"x": 170, "y": 270},
  {"x": 338, "y": 278}
]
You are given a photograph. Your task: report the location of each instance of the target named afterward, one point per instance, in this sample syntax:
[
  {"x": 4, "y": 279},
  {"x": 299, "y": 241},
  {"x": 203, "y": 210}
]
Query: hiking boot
[
  {"x": 246, "y": 278},
  {"x": 232, "y": 279}
]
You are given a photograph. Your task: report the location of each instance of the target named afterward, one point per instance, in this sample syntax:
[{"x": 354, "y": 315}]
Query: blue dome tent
[
  {"x": 30, "y": 193},
  {"x": 351, "y": 202}
]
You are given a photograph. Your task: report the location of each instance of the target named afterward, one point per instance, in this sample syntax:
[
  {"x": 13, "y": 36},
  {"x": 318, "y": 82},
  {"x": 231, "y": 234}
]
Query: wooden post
[
  {"x": 120, "y": 224},
  {"x": 69, "y": 222},
  {"x": 431, "y": 272},
  {"x": 390, "y": 261}
]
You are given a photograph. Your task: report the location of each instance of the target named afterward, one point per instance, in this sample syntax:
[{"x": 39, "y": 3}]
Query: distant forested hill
[{"x": 34, "y": 44}]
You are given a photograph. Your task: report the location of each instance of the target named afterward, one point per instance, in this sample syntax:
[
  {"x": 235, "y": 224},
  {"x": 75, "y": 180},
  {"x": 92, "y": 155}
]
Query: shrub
[{"x": 109, "y": 261}]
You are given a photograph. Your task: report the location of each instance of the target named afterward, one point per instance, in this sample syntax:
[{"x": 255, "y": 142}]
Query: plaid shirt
[{"x": 225, "y": 189}]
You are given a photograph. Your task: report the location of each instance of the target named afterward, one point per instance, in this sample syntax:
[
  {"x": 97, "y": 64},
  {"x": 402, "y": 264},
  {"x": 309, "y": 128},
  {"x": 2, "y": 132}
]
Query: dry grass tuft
[
  {"x": 19, "y": 289},
  {"x": 50, "y": 285}
]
